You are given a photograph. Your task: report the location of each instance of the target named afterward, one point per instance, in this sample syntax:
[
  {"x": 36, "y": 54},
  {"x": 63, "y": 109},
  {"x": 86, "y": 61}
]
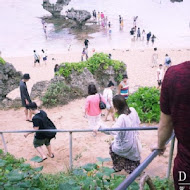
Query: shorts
[
  {"x": 40, "y": 142},
  {"x": 44, "y": 58},
  {"x": 36, "y": 61},
  {"x": 159, "y": 82}
]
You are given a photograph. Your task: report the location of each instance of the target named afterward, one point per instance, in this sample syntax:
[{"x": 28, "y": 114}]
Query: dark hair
[
  {"x": 42, "y": 50},
  {"x": 166, "y": 54},
  {"x": 155, "y": 49},
  {"x": 34, "y": 50},
  {"x": 32, "y": 106},
  {"x": 121, "y": 105},
  {"x": 160, "y": 65},
  {"x": 125, "y": 77},
  {"x": 92, "y": 89},
  {"x": 110, "y": 84}
]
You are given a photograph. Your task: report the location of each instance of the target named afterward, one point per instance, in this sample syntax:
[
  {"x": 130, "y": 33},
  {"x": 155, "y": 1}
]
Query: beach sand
[{"x": 85, "y": 147}]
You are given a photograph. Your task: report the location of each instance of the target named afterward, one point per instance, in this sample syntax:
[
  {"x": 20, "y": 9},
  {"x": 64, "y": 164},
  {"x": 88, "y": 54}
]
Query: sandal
[
  {"x": 52, "y": 155},
  {"x": 42, "y": 160},
  {"x": 29, "y": 120}
]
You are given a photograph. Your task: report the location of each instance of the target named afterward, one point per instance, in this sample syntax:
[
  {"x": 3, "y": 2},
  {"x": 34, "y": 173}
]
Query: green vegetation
[
  {"x": 159, "y": 183},
  {"x": 2, "y": 61},
  {"x": 93, "y": 64},
  {"x": 17, "y": 175},
  {"x": 56, "y": 94},
  {"x": 146, "y": 101}
]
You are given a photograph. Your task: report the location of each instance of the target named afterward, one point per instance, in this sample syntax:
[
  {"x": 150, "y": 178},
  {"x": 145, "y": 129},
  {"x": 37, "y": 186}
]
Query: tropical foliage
[{"x": 146, "y": 101}]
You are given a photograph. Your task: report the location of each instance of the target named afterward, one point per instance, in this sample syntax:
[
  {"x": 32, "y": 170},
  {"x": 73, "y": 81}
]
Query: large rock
[
  {"x": 79, "y": 16},
  {"x": 55, "y": 9},
  {"x": 81, "y": 81},
  {"x": 9, "y": 79}
]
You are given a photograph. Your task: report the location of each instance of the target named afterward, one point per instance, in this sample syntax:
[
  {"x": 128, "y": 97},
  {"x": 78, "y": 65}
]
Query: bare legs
[
  {"x": 28, "y": 114},
  {"x": 110, "y": 111},
  {"x": 40, "y": 151}
]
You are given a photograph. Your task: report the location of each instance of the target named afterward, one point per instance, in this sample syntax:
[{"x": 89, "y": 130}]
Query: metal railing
[
  {"x": 126, "y": 183},
  {"x": 129, "y": 180}
]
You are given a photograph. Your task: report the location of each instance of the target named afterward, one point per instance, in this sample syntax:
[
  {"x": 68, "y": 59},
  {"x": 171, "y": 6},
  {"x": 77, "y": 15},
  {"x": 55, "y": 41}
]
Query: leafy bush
[
  {"x": 93, "y": 64},
  {"x": 59, "y": 93},
  {"x": 15, "y": 174},
  {"x": 2, "y": 61},
  {"x": 162, "y": 184},
  {"x": 146, "y": 101}
]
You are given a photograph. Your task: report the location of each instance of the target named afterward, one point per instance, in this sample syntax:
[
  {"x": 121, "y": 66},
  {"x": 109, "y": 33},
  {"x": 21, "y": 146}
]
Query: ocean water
[{"x": 21, "y": 29}]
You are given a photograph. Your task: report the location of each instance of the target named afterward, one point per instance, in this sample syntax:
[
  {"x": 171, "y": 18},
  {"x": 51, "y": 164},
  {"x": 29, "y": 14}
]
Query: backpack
[{"x": 48, "y": 124}]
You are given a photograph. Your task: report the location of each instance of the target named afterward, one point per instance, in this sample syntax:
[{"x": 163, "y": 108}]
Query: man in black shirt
[
  {"x": 86, "y": 43},
  {"x": 25, "y": 98},
  {"x": 40, "y": 139}
]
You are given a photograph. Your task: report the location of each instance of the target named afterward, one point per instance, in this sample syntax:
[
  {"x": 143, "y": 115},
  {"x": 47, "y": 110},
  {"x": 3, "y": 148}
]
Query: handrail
[
  {"x": 87, "y": 130},
  {"x": 127, "y": 182}
]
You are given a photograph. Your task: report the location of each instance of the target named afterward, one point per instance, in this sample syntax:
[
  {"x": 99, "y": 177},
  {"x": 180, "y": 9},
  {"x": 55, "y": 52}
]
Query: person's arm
[
  {"x": 87, "y": 103},
  {"x": 119, "y": 89},
  {"x": 165, "y": 130},
  {"x": 35, "y": 128},
  {"x": 158, "y": 73}
]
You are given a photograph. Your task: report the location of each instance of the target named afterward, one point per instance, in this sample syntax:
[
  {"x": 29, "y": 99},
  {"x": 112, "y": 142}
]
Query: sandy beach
[{"x": 85, "y": 147}]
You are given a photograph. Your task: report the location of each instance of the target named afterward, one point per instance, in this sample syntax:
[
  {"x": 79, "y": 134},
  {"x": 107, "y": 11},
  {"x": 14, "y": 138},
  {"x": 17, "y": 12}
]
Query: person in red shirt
[{"x": 175, "y": 115}]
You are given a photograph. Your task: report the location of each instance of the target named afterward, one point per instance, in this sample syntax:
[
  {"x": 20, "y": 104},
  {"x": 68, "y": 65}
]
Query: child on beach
[{"x": 159, "y": 76}]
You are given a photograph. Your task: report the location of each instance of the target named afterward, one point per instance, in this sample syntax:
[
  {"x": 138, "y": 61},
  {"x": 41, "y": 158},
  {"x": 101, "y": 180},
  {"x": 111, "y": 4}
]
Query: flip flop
[
  {"x": 52, "y": 155},
  {"x": 42, "y": 160},
  {"x": 29, "y": 120}
]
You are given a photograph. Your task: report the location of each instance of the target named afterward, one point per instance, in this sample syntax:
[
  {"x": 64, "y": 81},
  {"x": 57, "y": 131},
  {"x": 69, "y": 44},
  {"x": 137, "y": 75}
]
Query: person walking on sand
[
  {"x": 94, "y": 14},
  {"x": 123, "y": 88},
  {"x": 108, "y": 96},
  {"x": 86, "y": 42},
  {"x": 41, "y": 122},
  {"x": 138, "y": 34},
  {"x": 92, "y": 109},
  {"x": 159, "y": 76},
  {"x": 84, "y": 53},
  {"x": 148, "y": 37},
  {"x": 167, "y": 62},
  {"x": 125, "y": 150},
  {"x": 153, "y": 39},
  {"x": 25, "y": 98},
  {"x": 175, "y": 116},
  {"x": 44, "y": 57},
  {"x": 56, "y": 68},
  {"x": 154, "y": 58},
  {"x": 36, "y": 58},
  {"x": 120, "y": 19},
  {"x": 143, "y": 35}
]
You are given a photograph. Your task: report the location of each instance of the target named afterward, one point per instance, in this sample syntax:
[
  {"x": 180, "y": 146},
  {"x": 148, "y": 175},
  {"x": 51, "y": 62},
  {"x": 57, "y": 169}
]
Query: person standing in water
[{"x": 123, "y": 88}]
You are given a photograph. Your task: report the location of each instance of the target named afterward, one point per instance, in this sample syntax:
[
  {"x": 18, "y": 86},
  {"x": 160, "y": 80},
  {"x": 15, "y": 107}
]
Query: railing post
[
  {"x": 4, "y": 143},
  {"x": 70, "y": 151},
  {"x": 170, "y": 157}
]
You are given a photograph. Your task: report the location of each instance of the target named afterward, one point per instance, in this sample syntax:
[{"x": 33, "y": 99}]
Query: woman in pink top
[{"x": 92, "y": 110}]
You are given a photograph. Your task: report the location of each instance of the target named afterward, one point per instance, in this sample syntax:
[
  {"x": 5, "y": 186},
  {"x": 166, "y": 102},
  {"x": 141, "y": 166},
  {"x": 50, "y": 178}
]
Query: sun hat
[{"x": 26, "y": 76}]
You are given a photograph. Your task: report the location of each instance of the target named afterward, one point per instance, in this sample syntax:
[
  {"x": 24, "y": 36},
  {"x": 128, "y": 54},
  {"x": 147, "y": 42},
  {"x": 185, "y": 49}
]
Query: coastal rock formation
[
  {"x": 79, "y": 16},
  {"x": 9, "y": 79},
  {"x": 81, "y": 81},
  {"x": 55, "y": 9}
]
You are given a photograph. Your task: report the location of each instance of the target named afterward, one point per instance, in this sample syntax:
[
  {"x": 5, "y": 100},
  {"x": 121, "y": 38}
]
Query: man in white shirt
[{"x": 159, "y": 76}]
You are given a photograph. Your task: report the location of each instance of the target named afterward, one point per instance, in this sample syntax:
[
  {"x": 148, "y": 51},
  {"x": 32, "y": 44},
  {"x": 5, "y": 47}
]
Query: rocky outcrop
[
  {"x": 9, "y": 79},
  {"x": 79, "y": 16},
  {"x": 81, "y": 81},
  {"x": 55, "y": 9}
]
